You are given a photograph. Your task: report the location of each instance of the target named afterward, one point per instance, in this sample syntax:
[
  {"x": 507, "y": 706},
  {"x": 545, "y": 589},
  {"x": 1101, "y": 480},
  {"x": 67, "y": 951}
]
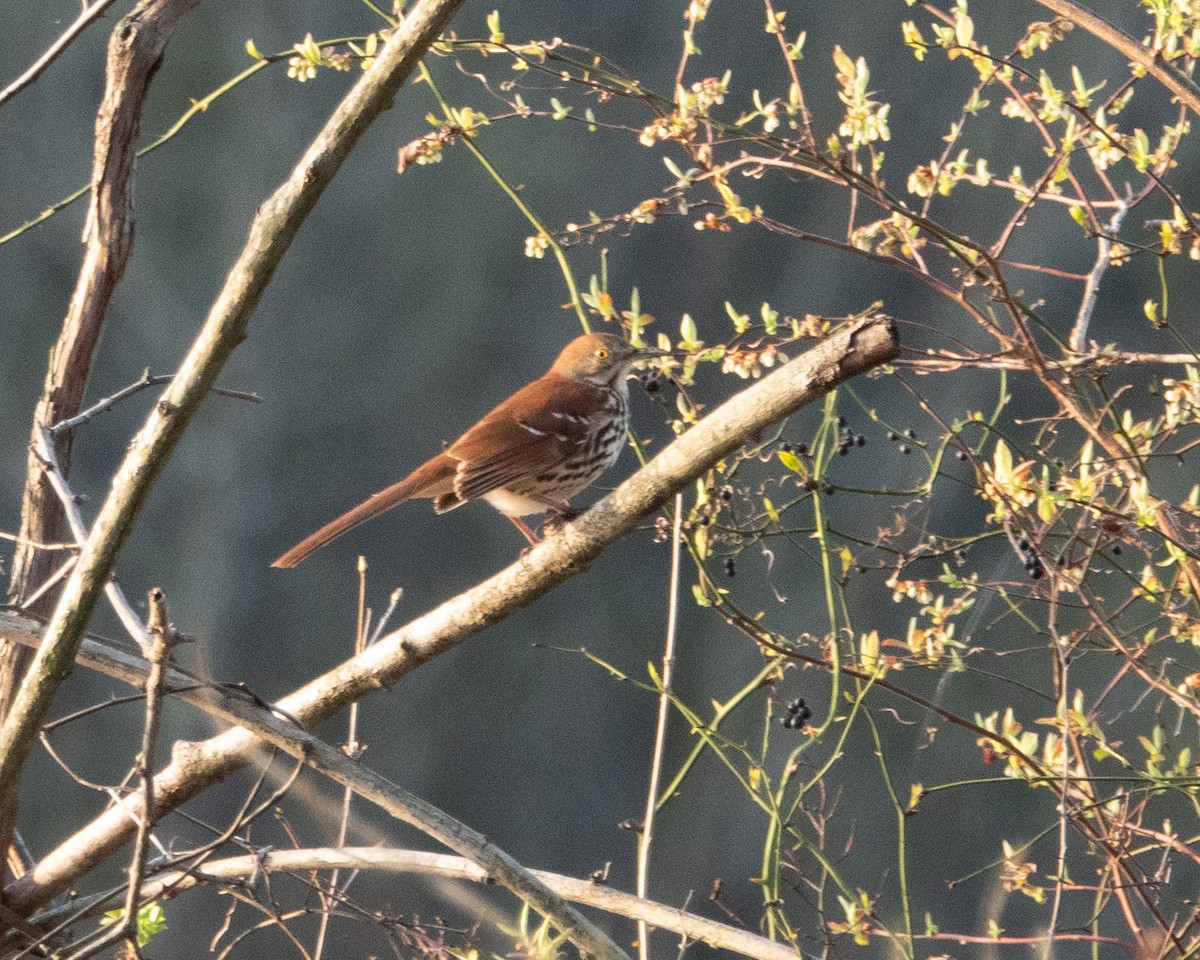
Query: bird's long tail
[{"x": 427, "y": 480}]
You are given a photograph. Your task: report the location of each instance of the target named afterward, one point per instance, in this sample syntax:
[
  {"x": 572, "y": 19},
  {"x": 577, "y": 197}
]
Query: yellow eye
[{"x": 602, "y": 354}]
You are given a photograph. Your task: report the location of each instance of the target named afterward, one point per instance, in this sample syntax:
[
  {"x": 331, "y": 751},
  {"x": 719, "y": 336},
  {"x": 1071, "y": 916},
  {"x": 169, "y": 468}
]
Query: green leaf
[
  {"x": 914, "y": 797},
  {"x": 792, "y": 462},
  {"x": 673, "y": 169},
  {"x": 495, "y": 34},
  {"x": 741, "y": 321},
  {"x": 688, "y": 332}
]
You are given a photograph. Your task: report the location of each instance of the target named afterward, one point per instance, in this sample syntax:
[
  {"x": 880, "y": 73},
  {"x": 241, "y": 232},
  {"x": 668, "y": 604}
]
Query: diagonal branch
[
  {"x": 720, "y": 936},
  {"x": 195, "y": 766},
  {"x": 271, "y": 234},
  {"x": 86, "y": 18},
  {"x": 1171, "y": 78}
]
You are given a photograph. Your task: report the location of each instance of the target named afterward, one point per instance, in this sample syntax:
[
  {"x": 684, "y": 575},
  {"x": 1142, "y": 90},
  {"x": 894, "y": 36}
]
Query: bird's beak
[{"x": 648, "y": 353}]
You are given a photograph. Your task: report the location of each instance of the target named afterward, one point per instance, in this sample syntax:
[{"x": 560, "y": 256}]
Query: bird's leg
[{"x": 526, "y": 531}]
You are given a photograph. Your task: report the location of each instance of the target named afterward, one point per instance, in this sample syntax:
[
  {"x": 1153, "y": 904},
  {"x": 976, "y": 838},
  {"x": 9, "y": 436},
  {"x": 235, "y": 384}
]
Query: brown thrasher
[{"x": 531, "y": 454}]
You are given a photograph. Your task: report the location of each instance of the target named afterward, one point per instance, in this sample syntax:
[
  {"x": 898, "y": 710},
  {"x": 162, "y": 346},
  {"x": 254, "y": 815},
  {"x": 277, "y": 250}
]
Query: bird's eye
[{"x": 602, "y": 354}]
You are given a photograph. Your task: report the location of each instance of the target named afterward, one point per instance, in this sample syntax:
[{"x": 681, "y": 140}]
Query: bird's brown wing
[{"x": 535, "y": 430}]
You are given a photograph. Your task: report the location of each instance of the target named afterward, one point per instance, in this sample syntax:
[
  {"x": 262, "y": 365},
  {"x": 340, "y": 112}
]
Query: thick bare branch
[
  {"x": 135, "y": 51},
  {"x": 251, "y": 719}
]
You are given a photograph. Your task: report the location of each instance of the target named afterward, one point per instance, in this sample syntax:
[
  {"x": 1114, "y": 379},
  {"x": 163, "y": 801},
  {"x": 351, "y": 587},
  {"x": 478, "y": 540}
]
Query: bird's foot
[{"x": 556, "y": 518}]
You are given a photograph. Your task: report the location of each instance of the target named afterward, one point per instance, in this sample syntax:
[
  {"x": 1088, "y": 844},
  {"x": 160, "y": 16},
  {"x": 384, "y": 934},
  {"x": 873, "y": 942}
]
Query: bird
[{"x": 531, "y": 454}]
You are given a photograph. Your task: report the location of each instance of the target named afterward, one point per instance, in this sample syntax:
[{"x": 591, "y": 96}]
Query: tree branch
[
  {"x": 135, "y": 51},
  {"x": 1091, "y": 289},
  {"x": 1180, "y": 85},
  {"x": 687, "y": 925},
  {"x": 85, "y": 19}
]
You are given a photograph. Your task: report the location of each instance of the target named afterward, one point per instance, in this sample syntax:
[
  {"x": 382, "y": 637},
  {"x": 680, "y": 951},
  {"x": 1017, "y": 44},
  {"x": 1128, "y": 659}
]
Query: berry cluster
[
  {"x": 1033, "y": 563},
  {"x": 909, "y": 434},
  {"x": 797, "y": 715},
  {"x": 847, "y": 438}
]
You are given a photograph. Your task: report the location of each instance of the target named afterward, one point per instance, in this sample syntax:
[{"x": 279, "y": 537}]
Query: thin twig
[
  {"x": 660, "y": 731},
  {"x": 89, "y": 16},
  {"x": 163, "y": 633},
  {"x": 159, "y": 627},
  {"x": 137, "y": 386},
  {"x": 70, "y": 505},
  {"x": 393, "y": 602},
  {"x": 943, "y": 361},
  {"x": 1091, "y": 289},
  {"x": 810, "y": 139},
  {"x": 22, "y": 542},
  {"x": 354, "y": 750},
  {"x": 48, "y": 584}
]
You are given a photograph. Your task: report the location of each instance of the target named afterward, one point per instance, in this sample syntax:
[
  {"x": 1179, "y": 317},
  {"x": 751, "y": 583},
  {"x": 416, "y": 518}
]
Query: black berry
[{"x": 797, "y": 715}]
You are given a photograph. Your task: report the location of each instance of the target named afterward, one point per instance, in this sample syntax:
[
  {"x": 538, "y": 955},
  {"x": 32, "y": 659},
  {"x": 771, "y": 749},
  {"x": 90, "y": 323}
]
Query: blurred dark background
[{"x": 405, "y": 310}]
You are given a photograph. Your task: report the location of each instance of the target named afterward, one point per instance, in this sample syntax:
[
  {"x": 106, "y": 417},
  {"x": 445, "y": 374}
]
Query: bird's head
[{"x": 600, "y": 358}]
